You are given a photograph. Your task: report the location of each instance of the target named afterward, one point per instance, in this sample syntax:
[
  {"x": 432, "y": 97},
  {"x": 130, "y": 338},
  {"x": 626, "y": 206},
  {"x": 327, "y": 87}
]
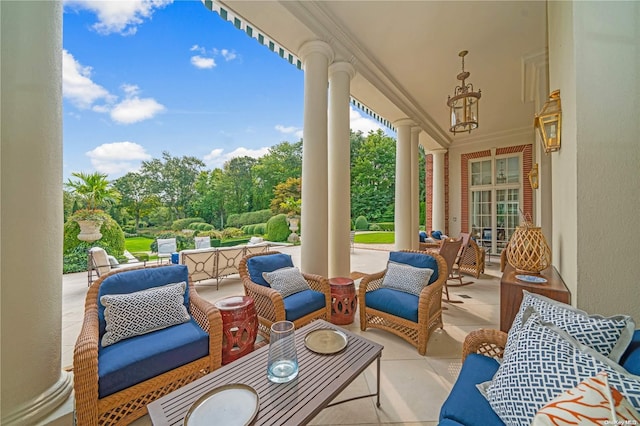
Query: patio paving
[{"x": 413, "y": 387}]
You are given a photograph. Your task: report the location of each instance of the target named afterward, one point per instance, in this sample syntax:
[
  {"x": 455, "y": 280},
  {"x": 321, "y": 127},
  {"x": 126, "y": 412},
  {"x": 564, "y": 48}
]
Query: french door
[{"x": 495, "y": 186}]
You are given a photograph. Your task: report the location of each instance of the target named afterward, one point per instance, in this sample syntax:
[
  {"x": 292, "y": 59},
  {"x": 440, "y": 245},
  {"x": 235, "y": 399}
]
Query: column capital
[
  {"x": 342, "y": 66},
  {"x": 403, "y": 122},
  {"x": 416, "y": 129},
  {"x": 315, "y": 46},
  {"x": 438, "y": 151}
]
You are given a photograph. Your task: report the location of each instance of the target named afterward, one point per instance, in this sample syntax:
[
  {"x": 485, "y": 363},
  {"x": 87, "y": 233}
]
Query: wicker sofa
[{"x": 483, "y": 349}]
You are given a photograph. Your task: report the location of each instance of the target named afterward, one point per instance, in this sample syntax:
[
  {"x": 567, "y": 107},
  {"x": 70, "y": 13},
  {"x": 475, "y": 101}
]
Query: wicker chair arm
[
  {"x": 85, "y": 363},
  {"x": 269, "y": 302},
  {"x": 488, "y": 342},
  {"x": 209, "y": 319},
  {"x": 317, "y": 282},
  {"x": 431, "y": 295}
]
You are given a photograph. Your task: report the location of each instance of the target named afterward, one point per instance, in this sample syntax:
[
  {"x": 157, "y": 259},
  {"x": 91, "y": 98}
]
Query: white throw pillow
[
  {"x": 286, "y": 281},
  {"x": 544, "y": 362},
  {"x": 407, "y": 278},
  {"x": 133, "y": 314},
  {"x": 609, "y": 336},
  {"x": 593, "y": 401}
]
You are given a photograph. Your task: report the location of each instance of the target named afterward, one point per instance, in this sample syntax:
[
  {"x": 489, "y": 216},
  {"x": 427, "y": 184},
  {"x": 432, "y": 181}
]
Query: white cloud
[
  {"x": 217, "y": 158},
  {"x": 77, "y": 85},
  {"x": 358, "y": 122},
  {"x": 202, "y": 62},
  {"x": 117, "y": 158},
  {"x": 130, "y": 89},
  {"x": 134, "y": 109},
  {"x": 228, "y": 55},
  {"x": 289, "y": 130},
  {"x": 122, "y": 17}
]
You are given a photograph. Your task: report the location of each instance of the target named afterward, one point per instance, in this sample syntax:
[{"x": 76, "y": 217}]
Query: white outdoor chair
[
  {"x": 202, "y": 242},
  {"x": 166, "y": 246}
]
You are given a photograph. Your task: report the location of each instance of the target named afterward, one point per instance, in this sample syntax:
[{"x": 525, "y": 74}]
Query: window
[{"x": 495, "y": 200}]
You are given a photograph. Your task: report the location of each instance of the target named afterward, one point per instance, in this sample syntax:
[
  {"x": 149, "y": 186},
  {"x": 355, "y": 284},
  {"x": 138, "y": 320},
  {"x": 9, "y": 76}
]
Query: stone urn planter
[
  {"x": 293, "y": 226},
  {"x": 89, "y": 230}
]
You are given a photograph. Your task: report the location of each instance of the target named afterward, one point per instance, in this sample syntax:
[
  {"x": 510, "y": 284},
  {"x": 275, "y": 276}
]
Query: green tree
[
  {"x": 239, "y": 184},
  {"x": 209, "y": 202},
  {"x": 285, "y": 194},
  {"x": 137, "y": 198},
  {"x": 372, "y": 175},
  {"x": 93, "y": 189},
  {"x": 173, "y": 179},
  {"x": 283, "y": 161}
]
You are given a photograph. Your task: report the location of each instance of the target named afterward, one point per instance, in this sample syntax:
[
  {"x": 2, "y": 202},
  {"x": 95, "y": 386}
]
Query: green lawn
[
  {"x": 375, "y": 238},
  {"x": 135, "y": 244}
]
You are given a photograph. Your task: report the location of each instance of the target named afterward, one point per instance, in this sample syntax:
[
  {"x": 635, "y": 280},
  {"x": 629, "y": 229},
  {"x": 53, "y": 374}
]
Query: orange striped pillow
[{"x": 593, "y": 401}]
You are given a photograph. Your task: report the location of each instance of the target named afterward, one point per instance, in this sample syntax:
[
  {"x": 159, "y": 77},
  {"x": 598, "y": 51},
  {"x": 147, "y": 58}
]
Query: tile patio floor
[{"x": 413, "y": 387}]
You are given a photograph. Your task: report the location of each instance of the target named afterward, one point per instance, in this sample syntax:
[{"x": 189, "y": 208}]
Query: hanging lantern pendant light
[{"x": 464, "y": 104}]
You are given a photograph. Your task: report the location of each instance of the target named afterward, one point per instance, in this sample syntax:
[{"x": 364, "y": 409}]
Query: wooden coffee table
[{"x": 320, "y": 379}]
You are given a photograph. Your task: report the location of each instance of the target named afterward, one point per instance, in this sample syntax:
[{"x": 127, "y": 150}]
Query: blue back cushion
[
  {"x": 267, "y": 263},
  {"x": 631, "y": 358},
  {"x": 465, "y": 403},
  {"x": 394, "y": 302},
  {"x": 437, "y": 235},
  {"x": 423, "y": 236},
  {"x": 139, "y": 358},
  {"x": 417, "y": 260},
  {"x": 141, "y": 279}
]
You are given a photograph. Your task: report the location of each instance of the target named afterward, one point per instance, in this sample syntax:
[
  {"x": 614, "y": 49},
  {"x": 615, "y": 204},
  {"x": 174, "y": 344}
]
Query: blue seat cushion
[
  {"x": 302, "y": 303},
  {"x": 417, "y": 260},
  {"x": 394, "y": 302},
  {"x": 631, "y": 358},
  {"x": 139, "y": 358},
  {"x": 141, "y": 279},
  {"x": 465, "y": 404},
  {"x": 267, "y": 263},
  {"x": 437, "y": 235}
]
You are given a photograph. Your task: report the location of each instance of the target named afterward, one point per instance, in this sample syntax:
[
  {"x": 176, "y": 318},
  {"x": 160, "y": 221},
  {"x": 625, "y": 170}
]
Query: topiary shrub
[
  {"x": 180, "y": 224},
  {"x": 260, "y": 229},
  {"x": 183, "y": 241},
  {"x": 277, "y": 228},
  {"x": 112, "y": 237},
  {"x": 374, "y": 227},
  {"x": 361, "y": 223},
  {"x": 228, "y": 233},
  {"x": 212, "y": 233}
]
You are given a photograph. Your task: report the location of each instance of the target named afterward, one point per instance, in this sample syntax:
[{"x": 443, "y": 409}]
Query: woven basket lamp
[{"x": 528, "y": 250}]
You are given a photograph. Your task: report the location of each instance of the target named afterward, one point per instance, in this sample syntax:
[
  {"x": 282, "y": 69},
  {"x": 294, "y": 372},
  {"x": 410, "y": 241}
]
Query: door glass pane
[
  {"x": 481, "y": 173},
  {"x": 481, "y": 215},
  {"x": 501, "y": 171},
  {"x": 513, "y": 170},
  {"x": 507, "y": 215}
]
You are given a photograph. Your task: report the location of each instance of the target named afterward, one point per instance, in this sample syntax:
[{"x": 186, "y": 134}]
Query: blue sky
[{"x": 145, "y": 76}]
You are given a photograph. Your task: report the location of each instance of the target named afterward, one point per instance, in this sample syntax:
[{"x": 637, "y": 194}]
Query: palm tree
[{"x": 94, "y": 189}]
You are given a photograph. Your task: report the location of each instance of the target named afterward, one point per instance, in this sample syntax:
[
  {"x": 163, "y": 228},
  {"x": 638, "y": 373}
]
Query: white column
[
  {"x": 415, "y": 189},
  {"x": 316, "y": 56},
  {"x": 403, "y": 184},
  {"x": 340, "y": 75},
  {"x": 33, "y": 385},
  {"x": 438, "y": 221}
]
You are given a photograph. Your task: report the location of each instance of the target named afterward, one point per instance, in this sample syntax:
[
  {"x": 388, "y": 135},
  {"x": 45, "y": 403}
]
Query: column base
[{"x": 53, "y": 407}]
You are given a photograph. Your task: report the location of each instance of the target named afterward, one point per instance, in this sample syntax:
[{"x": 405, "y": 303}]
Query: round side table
[
  {"x": 239, "y": 326},
  {"x": 343, "y": 300}
]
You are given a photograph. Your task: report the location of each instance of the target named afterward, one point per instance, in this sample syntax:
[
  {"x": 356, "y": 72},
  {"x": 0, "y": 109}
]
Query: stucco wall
[{"x": 594, "y": 59}]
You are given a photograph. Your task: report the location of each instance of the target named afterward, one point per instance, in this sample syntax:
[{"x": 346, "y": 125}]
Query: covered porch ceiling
[{"x": 406, "y": 56}]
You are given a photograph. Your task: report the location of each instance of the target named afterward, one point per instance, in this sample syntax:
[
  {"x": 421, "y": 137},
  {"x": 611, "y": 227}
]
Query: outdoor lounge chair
[
  {"x": 449, "y": 250},
  {"x": 300, "y": 308},
  {"x": 406, "y": 315},
  {"x": 202, "y": 242},
  {"x": 98, "y": 262},
  {"x": 166, "y": 246},
  {"x": 147, "y": 363},
  {"x": 472, "y": 259}
]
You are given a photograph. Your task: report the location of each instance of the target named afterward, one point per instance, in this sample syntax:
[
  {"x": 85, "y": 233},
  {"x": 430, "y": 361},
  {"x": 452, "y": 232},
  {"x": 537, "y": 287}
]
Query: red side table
[
  {"x": 239, "y": 326},
  {"x": 343, "y": 300}
]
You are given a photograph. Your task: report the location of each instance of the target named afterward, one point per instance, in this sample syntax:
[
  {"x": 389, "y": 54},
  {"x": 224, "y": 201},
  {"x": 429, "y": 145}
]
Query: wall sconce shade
[
  {"x": 464, "y": 105},
  {"x": 533, "y": 177},
  {"x": 549, "y": 122}
]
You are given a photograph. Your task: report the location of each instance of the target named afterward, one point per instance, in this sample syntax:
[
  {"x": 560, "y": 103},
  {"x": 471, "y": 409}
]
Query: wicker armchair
[
  {"x": 128, "y": 404},
  {"x": 429, "y": 308},
  {"x": 472, "y": 259},
  {"x": 488, "y": 342},
  {"x": 270, "y": 305}
]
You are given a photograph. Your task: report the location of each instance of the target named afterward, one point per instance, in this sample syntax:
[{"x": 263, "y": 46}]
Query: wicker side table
[
  {"x": 344, "y": 300},
  {"x": 239, "y": 326}
]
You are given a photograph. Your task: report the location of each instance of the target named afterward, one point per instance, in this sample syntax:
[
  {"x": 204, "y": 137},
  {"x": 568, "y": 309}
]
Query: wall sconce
[
  {"x": 533, "y": 177},
  {"x": 549, "y": 122}
]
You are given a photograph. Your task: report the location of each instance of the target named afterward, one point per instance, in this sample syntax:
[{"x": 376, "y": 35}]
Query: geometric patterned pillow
[
  {"x": 403, "y": 277},
  {"x": 544, "y": 362},
  {"x": 592, "y": 401},
  {"x": 609, "y": 336},
  {"x": 286, "y": 281},
  {"x": 133, "y": 314}
]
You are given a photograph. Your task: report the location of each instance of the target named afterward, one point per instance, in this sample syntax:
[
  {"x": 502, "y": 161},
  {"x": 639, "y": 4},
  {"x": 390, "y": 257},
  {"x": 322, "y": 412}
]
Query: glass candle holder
[{"x": 283, "y": 359}]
